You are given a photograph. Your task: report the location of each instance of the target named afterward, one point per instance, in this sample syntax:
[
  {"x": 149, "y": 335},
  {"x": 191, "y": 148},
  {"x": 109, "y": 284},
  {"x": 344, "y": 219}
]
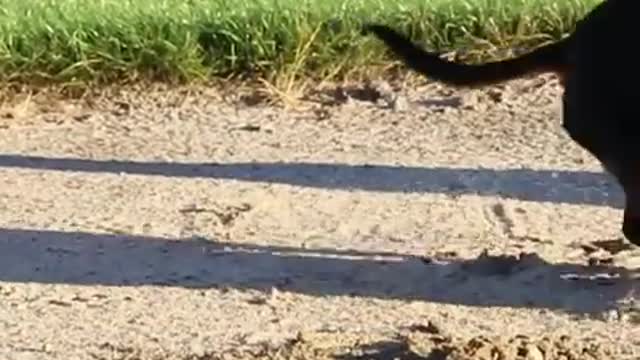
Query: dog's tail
[{"x": 549, "y": 58}]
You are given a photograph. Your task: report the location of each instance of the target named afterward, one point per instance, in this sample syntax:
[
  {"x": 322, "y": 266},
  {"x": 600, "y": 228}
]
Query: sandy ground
[{"x": 453, "y": 225}]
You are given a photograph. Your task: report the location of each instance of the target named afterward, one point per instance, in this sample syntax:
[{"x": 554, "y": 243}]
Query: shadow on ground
[
  {"x": 53, "y": 257},
  {"x": 568, "y": 187}
]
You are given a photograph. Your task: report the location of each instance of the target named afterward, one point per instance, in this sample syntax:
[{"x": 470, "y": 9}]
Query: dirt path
[{"x": 172, "y": 227}]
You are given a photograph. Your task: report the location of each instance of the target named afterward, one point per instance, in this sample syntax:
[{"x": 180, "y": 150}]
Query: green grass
[{"x": 78, "y": 41}]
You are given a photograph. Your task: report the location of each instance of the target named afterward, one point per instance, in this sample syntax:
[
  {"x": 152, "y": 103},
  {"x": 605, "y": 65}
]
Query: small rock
[
  {"x": 249, "y": 127},
  {"x": 399, "y": 103},
  {"x": 274, "y": 293},
  {"x": 495, "y": 94},
  {"x": 612, "y": 315},
  {"x": 197, "y": 349},
  {"x": 533, "y": 353},
  {"x": 81, "y": 117},
  {"x": 257, "y": 301},
  {"x": 383, "y": 88}
]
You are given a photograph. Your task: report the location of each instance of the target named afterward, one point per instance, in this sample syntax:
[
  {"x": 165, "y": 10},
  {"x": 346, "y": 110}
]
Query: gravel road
[{"x": 175, "y": 225}]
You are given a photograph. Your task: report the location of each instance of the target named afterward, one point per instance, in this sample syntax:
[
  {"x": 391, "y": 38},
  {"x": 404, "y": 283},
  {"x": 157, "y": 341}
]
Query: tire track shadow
[{"x": 549, "y": 186}]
